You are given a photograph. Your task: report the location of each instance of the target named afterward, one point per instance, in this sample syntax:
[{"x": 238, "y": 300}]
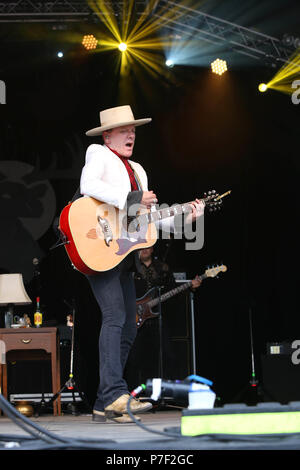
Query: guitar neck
[
  {"x": 171, "y": 293},
  {"x": 160, "y": 214},
  {"x": 213, "y": 201}
]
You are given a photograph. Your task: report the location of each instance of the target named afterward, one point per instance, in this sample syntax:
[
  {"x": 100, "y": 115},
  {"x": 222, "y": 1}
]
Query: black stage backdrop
[{"x": 207, "y": 133}]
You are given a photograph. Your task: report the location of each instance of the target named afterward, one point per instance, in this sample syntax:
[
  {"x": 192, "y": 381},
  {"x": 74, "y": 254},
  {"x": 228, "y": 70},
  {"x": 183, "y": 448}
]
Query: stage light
[
  {"x": 285, "y": 80},
  {"x": 219, "y": 66},
  {"x": 262, "y": 87},
  {"x": 89, "y": 41},
  {"x": 288, "y": 39},
  {"x": 169, "y": 63},
  {"x": 122, "y": 46},
  {"x": 60, "y": 54}
]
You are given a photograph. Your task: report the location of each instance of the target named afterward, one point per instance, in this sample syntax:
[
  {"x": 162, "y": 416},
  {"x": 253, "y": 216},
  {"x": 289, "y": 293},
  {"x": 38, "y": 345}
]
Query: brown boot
[
  {"x": 111, "y": 417},
  {"x": 136, "y": 406}
]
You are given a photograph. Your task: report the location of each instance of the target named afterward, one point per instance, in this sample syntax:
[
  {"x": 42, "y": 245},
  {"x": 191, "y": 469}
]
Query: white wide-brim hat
[{"x": 116, "y": 117}]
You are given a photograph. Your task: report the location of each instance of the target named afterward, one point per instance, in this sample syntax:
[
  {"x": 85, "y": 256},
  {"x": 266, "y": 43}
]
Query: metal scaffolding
[
  {"x": 63, "y": 10},
  {"x": 242, "y": 40},
  {"x": 176, "y": 17},
  {"x": 14, "y": 11}
]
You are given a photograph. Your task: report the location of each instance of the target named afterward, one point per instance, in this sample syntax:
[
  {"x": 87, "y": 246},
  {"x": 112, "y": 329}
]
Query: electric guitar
[
  {"x": 98, "y": 236},
  {"x": 145, "y": 304}
]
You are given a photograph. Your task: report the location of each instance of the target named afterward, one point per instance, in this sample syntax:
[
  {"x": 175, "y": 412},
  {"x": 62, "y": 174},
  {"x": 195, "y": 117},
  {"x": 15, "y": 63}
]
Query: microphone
[
  {"x": 176, "y": 389},
  {"x": 36, "y": 264}
]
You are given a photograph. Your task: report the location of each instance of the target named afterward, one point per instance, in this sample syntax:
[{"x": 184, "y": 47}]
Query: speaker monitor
[{"x": 281, "y": 378}]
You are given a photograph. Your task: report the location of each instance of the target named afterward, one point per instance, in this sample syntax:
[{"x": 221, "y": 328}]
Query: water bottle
[{"x": 200, "y": 394}]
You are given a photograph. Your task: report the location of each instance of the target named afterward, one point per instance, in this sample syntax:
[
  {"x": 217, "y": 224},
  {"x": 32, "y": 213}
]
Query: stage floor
[{"x": 79, "y": 432}]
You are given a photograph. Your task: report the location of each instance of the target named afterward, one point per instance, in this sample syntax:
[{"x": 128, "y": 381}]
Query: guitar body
[
  {"x": 97, "y": 237},
  {"x": 143, "y": 310}
]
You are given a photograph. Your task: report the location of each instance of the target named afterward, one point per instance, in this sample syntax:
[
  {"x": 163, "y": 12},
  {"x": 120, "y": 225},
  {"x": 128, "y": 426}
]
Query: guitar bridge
[{"x": 106, "y": 230}]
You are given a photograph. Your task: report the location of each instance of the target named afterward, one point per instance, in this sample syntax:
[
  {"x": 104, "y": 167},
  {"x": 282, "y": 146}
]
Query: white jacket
[{"x": 104, "y": 177}]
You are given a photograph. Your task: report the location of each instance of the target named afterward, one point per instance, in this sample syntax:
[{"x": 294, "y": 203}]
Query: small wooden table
[{"x": 32, "y": 344}]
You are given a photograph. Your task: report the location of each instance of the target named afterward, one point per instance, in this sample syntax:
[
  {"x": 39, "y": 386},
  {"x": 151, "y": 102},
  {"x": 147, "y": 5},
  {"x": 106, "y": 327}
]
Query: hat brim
[{"x": 99, "y": 130}]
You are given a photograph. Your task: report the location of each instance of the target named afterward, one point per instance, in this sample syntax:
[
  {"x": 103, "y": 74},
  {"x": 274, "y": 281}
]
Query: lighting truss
[
  {"x": 187, "y": 21},
  {"x": 215, "y": 30},
  {"x": 30, "y": 11},
  {"x": 60, "y": 10}
]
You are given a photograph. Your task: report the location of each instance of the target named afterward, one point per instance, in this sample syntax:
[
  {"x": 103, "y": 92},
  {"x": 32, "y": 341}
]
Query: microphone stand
[
  {"x": 192, "y": 328},
  {"x": 253, "y": 391},
  {"x": 192, "y": 315},
  {"x": 160, "y": 327},
  {"x": 70, "y": 384},
  {"x": 161, "y": 371}
]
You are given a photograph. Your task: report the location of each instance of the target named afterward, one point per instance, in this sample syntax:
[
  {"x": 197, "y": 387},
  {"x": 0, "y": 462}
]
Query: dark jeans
[{"x": 115, "y": 293}]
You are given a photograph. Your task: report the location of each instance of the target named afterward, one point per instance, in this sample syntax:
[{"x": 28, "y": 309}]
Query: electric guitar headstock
[
  {"x": 213, "y": 200},
  {"x": 213, "y": 272}
]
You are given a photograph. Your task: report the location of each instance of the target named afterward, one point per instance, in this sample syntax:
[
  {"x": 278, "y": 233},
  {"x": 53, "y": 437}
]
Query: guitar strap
[
  {"x": 77, "y": 195},
  {"x": 138, "y": 181}
]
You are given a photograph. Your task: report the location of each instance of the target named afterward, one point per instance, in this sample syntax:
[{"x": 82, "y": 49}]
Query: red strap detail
[{"x": 129, "y": 169}]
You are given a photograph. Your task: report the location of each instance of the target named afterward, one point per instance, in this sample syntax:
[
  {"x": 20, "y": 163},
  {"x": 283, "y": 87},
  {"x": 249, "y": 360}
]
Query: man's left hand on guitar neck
[
  {"x": 196, "y": 283},
  {"x": 197, "y": 211}
]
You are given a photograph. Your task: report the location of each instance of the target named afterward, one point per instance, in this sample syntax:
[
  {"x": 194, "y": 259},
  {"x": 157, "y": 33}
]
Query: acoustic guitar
[{"x": 98, "y": 236}]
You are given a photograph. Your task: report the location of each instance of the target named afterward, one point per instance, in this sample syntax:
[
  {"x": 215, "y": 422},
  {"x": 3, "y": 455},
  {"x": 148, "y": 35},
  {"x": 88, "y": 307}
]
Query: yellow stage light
[
  {"x": 285, "y": 80},
  {"x": 89, "y": 41},
  {"x": 219, "y": 66},
  {"x": 122, "y": 46},
  {"x": 262, "y": 87}
]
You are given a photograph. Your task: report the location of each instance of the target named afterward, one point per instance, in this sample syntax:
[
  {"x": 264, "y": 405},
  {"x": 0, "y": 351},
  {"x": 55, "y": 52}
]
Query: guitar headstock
[
  {"x": 213, "y": 200},
  {"x": 213, "y": 272}
]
